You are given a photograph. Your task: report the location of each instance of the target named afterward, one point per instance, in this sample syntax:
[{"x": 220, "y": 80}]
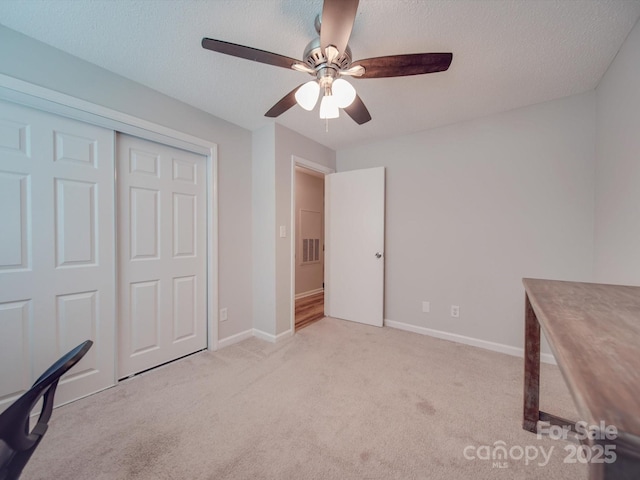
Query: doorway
[{"x": 307, "y": 242}]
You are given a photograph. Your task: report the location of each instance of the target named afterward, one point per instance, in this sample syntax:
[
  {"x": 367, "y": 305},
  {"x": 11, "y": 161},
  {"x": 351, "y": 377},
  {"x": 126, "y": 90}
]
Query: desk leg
[{"x": 531, "y": 412}]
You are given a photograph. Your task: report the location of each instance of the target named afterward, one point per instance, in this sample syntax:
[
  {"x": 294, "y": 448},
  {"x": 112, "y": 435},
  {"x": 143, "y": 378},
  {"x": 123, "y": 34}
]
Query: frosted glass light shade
[
  {"x": 328, "y": 107},
  {"x": 344, "y": 92},
  {"x": 307, "y": 95}
]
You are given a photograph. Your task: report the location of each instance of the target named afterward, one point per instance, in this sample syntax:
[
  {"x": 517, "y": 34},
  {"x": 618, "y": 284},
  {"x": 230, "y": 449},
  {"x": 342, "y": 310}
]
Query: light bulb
[
  {"x": 307, "y": 95},
  {"x": 344, "y": 92},
  {"x": 328, "y": 107}
]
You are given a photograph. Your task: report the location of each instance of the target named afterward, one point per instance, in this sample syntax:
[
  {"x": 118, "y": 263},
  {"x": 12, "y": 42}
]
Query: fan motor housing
[{"x": 314, "y": 57}]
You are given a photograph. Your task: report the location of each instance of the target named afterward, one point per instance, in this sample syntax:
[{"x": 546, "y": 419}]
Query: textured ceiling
[{"x": 506, "y": 53}]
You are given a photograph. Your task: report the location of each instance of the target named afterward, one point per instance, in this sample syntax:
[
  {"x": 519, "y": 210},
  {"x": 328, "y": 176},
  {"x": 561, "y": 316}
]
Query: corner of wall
[
  {"x": 263, "y": 228},
  {"x": 617, "y": 171}
]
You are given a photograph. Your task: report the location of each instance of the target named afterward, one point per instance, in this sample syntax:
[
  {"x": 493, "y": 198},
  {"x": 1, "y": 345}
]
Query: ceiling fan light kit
[
  {"x": 307, "y": 95},
  {"x": 344, "y": 92},
  {"x": 329, "y": 107},
  {"x": 327, "y": 58}
]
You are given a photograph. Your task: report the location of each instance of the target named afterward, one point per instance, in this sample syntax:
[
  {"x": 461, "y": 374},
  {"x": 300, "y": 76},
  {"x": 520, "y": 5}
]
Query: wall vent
[{"x": 310, "y": 250}]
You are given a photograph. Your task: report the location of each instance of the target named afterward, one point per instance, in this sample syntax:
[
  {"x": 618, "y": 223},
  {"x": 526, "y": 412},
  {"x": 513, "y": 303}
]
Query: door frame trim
[
  {"x": 41, "y": 98},
  {"x": 316, "y": 167}
]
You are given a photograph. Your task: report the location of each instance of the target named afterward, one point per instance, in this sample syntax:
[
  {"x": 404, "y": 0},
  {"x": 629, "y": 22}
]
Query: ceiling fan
[{"x": 328, "y": 58}]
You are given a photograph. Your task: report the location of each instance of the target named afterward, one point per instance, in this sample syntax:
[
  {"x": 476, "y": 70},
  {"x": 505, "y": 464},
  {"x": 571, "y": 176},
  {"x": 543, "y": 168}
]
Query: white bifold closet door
[
  {"x": 57, "y": 264},
  {"x": 162, "y": 253}
]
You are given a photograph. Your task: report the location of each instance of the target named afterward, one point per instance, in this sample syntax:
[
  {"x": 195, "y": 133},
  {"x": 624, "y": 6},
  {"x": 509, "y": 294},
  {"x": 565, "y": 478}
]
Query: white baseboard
[
  {"x": 264, "y": 335},
  {"x": 271, "y": 338},
  {"x": 284, "y": 335},
  {"x": 474, "y": 342},
  {"x": 238, "y": 337},
  {"x": 308, "y": 293}
]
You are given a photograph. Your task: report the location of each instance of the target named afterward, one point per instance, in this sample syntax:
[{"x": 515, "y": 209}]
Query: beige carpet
[{"x": 338, "y": 400}]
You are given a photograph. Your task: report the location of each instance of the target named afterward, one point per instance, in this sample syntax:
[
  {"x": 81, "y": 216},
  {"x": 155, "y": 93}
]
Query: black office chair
[{"x": 17, "y": 443}]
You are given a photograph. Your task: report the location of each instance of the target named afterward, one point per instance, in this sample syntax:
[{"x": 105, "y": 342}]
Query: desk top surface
[{"x": 594, "y": 333}]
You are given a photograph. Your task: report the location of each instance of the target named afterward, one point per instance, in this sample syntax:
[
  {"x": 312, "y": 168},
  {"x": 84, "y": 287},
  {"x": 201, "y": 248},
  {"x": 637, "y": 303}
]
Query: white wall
[
  {"x": 474, "y": 207},
  {"x": 617, "y": 232},
  {"x": 35, "y": 62},
  {"x": 264, "y": 230}
]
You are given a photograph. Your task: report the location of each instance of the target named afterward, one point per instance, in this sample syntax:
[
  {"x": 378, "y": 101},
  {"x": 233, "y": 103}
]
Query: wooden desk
[{"x": 594, "y": 333}]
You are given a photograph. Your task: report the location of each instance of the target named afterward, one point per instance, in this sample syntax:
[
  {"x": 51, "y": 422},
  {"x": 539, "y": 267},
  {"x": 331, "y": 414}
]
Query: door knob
[{"x": 378, "y": 255}]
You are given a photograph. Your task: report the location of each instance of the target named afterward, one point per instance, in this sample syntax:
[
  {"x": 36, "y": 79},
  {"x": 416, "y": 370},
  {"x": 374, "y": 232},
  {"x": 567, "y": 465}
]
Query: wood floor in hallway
[{"x": 309, "y": 309}]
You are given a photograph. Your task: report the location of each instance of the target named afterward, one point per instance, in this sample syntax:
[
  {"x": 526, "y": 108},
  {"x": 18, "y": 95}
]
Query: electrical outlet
[
  {"x": 455, "y": 311},
  {"x": 223, "y": 314},
  {"x": 426, "y": 307}
]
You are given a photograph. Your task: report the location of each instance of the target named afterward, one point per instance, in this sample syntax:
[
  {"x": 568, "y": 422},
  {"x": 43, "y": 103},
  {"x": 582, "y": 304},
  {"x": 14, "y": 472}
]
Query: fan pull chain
[{"x": 326, "y": 128}]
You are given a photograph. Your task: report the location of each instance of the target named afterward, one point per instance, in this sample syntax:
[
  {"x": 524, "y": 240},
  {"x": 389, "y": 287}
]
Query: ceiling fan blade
[
  {"x": 358, "y": 111},
  {"x": 337, "y": 22},
  {"x": 248, "y": 53},
  {"x": 403, "y": 65},
  {"x": 284, "y": 104}
]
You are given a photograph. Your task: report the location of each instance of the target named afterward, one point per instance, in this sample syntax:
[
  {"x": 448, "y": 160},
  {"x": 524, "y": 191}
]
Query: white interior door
[
  {"x": 354, "y": 257},
  {"x": 162, "y": 225},
  {"x": 57, "y": 285}
]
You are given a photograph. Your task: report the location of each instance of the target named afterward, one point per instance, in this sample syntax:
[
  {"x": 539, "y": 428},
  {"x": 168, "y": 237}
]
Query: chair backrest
[{"x": 17, "y": 443}]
